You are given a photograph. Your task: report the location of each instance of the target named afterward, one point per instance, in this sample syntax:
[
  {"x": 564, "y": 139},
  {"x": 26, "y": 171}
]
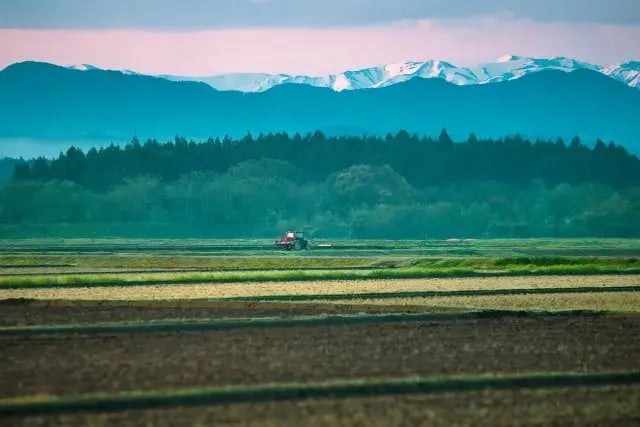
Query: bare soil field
[
  {"x": 40, "y": 312},
  {"x": 225, "y": 290},
  {"x": 579, "y": 406},
  {"x": 74, "y": 364},
  {"x": 592, "y": 301}
]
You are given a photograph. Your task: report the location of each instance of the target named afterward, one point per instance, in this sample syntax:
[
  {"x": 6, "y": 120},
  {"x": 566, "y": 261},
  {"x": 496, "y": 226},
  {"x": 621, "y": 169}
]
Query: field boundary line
[
  {"x": 428, "y": 294},
  {"x": 262, "y": 322},
  {"x": 97, "y": 402},
  {"x": 300, "y": 276}
]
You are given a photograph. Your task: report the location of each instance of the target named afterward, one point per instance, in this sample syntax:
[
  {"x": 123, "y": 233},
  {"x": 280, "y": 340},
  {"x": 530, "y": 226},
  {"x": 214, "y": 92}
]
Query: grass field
[{"x": 406, "y": 333}]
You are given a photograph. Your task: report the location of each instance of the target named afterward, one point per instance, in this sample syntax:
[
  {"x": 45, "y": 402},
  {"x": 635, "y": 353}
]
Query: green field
[{"x": 150, "y": 327}]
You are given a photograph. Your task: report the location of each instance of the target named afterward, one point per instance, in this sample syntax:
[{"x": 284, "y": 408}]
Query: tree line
[
  {"x": 422, "y": 160},
  {"x": 401, "y": 186}
]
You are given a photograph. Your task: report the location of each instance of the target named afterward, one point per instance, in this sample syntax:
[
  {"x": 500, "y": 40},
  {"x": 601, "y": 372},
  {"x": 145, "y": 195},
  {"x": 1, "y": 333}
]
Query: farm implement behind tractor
[{"x": 293, "y": 240}]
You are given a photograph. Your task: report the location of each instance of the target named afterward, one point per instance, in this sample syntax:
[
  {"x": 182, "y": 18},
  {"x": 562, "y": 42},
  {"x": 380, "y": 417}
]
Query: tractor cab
[{"x": 293, "y": 240}]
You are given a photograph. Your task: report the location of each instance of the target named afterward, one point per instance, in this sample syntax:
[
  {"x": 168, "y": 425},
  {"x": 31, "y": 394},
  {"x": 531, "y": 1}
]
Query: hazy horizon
[
  {"x": 410, "y": 60},
  {"x": 200, "y": 38}
]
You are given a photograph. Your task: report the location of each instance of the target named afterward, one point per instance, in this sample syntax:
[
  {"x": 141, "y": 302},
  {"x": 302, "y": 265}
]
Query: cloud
[{"x": 317, "y": 51}]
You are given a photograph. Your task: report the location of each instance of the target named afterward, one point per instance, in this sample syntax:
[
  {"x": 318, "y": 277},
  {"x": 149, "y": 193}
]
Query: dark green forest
[{"x": 400, "y": 186}]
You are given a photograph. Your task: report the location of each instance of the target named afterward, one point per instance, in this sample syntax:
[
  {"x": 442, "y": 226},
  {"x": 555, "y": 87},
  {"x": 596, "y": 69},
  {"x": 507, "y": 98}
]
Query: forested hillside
[{"x": 401, "y": 186}]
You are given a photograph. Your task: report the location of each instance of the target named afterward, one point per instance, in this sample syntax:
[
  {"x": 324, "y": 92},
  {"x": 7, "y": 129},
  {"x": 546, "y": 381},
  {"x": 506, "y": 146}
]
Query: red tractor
[{"x": 293, "y": 240}]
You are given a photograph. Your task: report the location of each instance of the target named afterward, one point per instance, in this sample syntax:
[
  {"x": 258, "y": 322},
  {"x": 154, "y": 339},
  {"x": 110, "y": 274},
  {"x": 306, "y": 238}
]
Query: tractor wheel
[{"x": 297, "y": 245}]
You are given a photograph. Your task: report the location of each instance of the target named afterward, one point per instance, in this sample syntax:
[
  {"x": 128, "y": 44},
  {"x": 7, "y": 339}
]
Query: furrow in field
[
  {"x": 578, "y": 406},
  {"x": 286, "y": 391}
]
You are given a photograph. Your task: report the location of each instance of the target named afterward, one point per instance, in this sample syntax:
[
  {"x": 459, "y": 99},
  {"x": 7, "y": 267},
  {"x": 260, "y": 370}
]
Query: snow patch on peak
[
  {"x": 89, "y": 67},
  {"x": 628, "y": 72},
  {"x": 628, "y": 64},
  {"x": 401, "y": 68},
  {"x": 341, "y": 83},
  {"x": 508, "y": 58},
  {"x": 82, "y": 67}
]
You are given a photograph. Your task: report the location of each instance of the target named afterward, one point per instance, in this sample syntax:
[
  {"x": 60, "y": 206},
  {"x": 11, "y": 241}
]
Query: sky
[{"x": 312, "y": 37}]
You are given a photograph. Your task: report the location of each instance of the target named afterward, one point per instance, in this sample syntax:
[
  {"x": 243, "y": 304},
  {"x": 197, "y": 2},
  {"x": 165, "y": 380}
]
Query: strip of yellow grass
[
  {"x": 192, "y": 291},
  {"x": 608, "y": 301}
]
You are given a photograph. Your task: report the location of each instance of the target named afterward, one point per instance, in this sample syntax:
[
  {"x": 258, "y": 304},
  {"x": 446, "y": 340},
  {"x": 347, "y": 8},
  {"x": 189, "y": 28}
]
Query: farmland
[{"x": 192, "y": 332}]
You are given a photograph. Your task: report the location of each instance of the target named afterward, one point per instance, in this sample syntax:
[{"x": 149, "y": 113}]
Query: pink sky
[{"x": 316, "y": 51}]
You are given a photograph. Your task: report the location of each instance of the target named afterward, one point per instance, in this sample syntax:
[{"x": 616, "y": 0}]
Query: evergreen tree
[
  {"x": 22, "y": 171},
  {"x": 444, "y": 138}
]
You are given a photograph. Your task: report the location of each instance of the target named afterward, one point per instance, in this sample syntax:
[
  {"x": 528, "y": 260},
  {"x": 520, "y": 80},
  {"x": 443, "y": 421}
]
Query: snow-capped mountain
[
  {"x": 395, "y": 73},
  {"x": 629, "y": 72},
  {"x": 508, "y": 67},
  {"x": 366, "y": 78},
  {"x": 511, "y": 67}
]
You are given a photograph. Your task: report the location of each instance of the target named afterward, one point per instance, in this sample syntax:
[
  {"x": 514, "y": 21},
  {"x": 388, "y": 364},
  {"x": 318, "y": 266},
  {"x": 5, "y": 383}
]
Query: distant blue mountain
[{"x": 44, "y": 101}]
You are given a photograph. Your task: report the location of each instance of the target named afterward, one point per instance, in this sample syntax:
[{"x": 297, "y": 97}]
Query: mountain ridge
[{"x": 507, "y": 67}]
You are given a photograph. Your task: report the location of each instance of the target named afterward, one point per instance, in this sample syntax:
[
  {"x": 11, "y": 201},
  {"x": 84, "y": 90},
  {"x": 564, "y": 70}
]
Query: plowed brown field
[{"x": 75, "y": 363}]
